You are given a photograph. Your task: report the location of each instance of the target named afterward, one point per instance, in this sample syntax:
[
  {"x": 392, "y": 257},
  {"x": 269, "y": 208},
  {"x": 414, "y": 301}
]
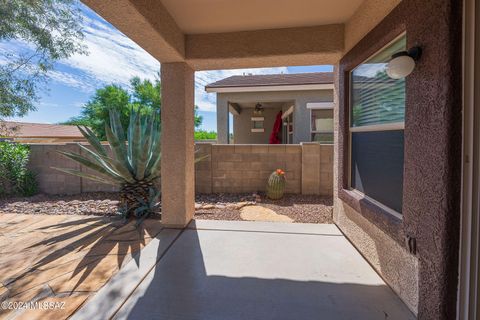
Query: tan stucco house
[{"x": 301, "y": 104}]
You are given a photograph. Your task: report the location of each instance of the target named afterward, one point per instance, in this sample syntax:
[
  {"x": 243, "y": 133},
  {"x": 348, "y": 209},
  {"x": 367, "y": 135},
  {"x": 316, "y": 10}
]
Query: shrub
[
  {"x": 15, "y": 177},
  {"x": 27, "y": 184},
  {"x": 205, "y": 135}
]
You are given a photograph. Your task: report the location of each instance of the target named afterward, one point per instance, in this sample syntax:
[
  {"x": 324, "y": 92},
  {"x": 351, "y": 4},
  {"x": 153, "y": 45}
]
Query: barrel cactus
[{"x": 276, "y": 185}]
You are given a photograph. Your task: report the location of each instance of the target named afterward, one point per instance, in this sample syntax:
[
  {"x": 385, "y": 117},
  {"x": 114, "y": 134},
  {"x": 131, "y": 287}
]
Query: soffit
[{"x": 218, "y": 16}]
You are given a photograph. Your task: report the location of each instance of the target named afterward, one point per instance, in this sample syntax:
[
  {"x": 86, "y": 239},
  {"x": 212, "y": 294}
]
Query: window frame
[
  {"x": 287, "y": 134},
  {"x": 370, "y": 128},
  {"x": 260, "y": 121},
  {"x": 320, "y": 106}
]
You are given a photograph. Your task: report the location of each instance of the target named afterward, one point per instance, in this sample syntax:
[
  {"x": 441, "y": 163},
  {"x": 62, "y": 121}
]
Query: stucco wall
[
  {"x": 367, "y": 16},
  {"x": 317, "y": 45},
  {"x": 301, "y": 115},
  {"x": 390, "y": 259},
  {"x": 425, "y": 279},
  {"x": 242, "y": 125},
  {"x": 227, "y": 168}
]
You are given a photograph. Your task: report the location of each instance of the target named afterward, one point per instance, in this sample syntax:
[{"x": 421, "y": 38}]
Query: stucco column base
[{"x": 178, "y": 183}]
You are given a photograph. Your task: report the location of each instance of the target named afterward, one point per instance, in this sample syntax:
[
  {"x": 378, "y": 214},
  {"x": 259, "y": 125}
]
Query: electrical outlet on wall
[{"x": 411, "y": 243}]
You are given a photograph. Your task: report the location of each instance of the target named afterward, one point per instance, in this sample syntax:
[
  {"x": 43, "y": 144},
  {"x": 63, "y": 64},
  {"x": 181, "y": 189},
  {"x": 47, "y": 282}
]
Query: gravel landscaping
[
  {"x": 98, "y": 204},
  {"x": 300, "y": 208}
]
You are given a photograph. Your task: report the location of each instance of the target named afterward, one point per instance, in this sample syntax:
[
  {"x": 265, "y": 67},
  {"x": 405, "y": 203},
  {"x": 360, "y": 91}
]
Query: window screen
[
  {"x": 377, "y": 166},
  {"x": 377, "y": 115},
  {"x": 376, "y": 98}
]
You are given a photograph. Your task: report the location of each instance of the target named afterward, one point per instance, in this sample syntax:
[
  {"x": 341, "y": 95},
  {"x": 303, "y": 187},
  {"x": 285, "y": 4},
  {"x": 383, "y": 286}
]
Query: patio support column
[
  {"x": 222, "y": 120},
  {"x": 178, "y": 185}
]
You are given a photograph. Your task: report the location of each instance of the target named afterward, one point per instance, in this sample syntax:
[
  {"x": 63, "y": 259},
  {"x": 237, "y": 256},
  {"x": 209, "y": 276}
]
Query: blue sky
[{"x": 113, "y": 58}]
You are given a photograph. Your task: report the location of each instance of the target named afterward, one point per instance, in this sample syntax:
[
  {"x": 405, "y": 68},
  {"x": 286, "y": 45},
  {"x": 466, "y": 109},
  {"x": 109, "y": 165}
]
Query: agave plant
[{"x": 135, "y": 165}]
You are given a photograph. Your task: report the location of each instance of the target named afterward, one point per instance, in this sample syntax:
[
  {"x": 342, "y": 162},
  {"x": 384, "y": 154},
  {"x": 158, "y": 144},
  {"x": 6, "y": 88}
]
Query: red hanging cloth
[{"x": 277, "y": 126}]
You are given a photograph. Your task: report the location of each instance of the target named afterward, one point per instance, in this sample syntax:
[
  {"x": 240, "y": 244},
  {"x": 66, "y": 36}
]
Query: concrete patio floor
[{"x": 247, "y": 270}]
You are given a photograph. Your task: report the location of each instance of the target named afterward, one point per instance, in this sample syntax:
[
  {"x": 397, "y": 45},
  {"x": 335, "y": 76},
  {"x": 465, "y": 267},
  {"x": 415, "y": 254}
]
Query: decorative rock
[
  {"x": 83, "y": 204},
  {"x": 240, "y": 205},
  {"x": 259, "y": 213}
]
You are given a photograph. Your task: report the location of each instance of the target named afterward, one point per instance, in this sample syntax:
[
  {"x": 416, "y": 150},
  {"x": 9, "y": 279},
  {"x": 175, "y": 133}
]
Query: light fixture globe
[
  {"x": 403, "y": 63},
  {"x": 400, "y": 67}
]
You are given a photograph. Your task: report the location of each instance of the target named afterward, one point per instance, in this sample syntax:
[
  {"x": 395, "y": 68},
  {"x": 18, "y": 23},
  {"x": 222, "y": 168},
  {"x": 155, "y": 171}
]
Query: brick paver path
[{"x": 62, "y": 260}]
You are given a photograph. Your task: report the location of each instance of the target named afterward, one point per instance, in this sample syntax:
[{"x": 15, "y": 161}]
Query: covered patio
[{"x": 415, "y": 249}]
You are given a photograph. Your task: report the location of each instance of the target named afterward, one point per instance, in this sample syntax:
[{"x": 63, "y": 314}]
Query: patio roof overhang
[{"x": 213, "y": 35}]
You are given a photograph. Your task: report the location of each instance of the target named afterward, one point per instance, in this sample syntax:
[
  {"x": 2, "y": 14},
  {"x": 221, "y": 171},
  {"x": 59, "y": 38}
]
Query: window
[
  {"x": 321, "y": 125},
  {"x": 377, "y": 115},
  {"x": 257, "y": 124}
]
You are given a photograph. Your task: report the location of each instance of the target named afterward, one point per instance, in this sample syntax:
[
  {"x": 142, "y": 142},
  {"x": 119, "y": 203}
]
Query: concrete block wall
[
  {"x": 93, "y": 186},
  {"x": 326, "y": 170},
  {"x": 245, "y": 168},
  {"x": 203, "y": 168},
  {"x": 317, "y": 165},
  {"x": 225, "y": 169},
  {"x": 45, "y": 156},
  {"x": 51, "y": 181}
]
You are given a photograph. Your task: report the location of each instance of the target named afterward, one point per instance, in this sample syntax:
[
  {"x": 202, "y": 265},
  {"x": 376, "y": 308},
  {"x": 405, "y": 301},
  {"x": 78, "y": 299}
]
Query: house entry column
[{"x": 222, "y": 120}]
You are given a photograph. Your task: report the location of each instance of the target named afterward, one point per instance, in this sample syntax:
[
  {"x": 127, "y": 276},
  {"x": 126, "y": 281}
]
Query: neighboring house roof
[
  {"x": 41, "y": 130},
  {"x": 280, "y": 82}
]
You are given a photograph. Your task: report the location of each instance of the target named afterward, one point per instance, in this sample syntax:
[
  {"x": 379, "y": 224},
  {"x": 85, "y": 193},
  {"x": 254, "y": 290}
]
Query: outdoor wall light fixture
[
  {"x": 258, "y": 111},
  {"x": 403, "y": 63}
]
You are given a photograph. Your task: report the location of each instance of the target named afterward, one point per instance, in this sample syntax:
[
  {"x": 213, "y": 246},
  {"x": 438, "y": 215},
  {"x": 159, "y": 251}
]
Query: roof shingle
[
  {"x": 274, "y": 80},
  {"x": 42, "y": 130}
]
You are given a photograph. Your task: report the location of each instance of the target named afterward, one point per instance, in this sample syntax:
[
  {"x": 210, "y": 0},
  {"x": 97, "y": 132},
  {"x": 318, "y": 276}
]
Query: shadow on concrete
[{"x": 192, "y": 281}]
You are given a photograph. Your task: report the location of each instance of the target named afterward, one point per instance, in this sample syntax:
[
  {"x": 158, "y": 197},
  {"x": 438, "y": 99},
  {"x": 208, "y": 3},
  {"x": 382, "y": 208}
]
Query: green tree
[
  {"x": 52, "y": 30},
  {"x": 146, "y": 93},
  {"x": 198, "y": 118},
  {"x": 95, "y": 113},
  {"x": 144, "y": 96}
]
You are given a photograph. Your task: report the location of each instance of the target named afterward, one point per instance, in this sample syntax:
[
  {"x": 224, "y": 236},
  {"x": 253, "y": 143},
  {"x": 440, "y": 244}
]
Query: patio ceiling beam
[
  {"x": 261, "y": 48},
  {"x": 235, "y": 109},
  {"x": 146, "y": 22}
]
